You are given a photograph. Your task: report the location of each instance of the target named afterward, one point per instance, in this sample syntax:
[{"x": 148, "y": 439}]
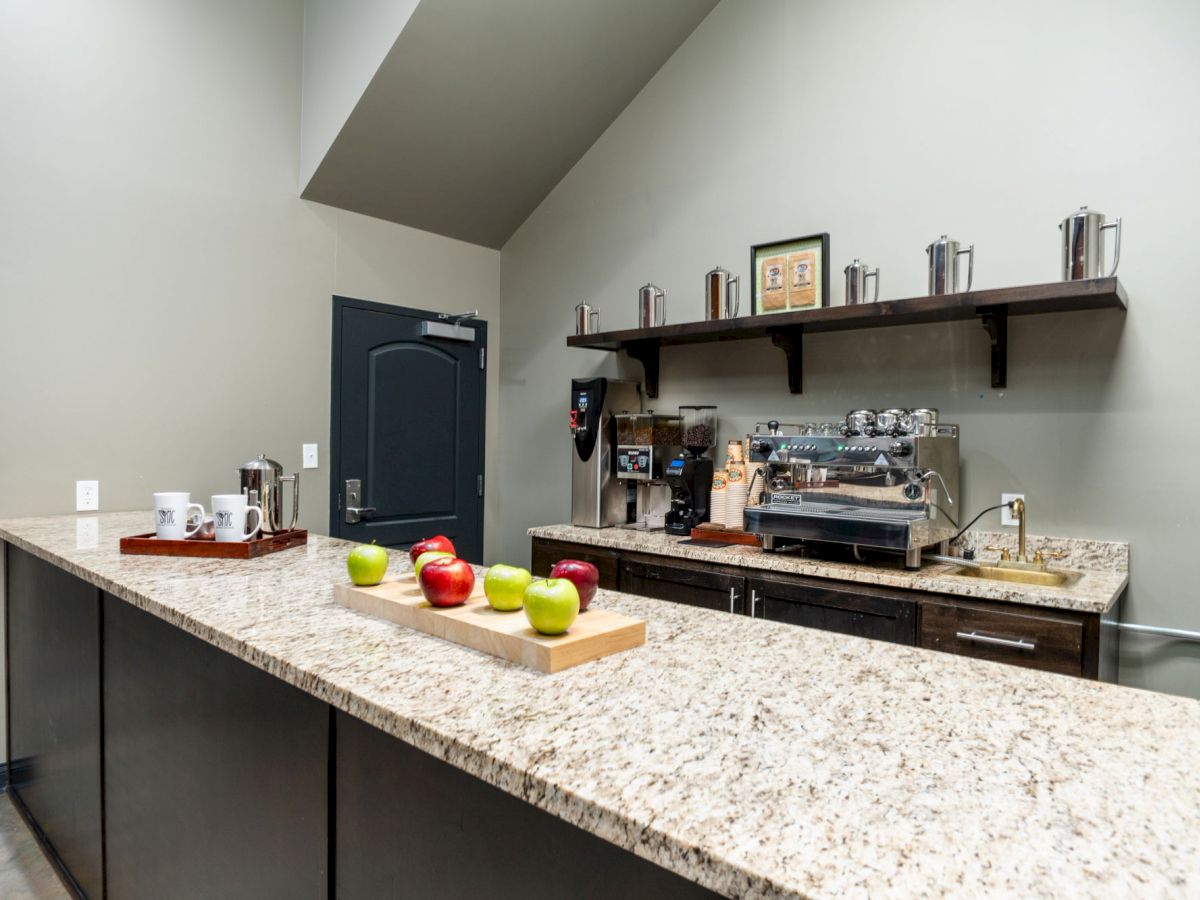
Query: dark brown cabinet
[
  {"x": 836, "y": 606},
  {"x": 547, "y": 553},
  {"x": 1053, "y": 640},
  {"x": 684, "y": 582},
  {"x": 1048, "y": 639}
]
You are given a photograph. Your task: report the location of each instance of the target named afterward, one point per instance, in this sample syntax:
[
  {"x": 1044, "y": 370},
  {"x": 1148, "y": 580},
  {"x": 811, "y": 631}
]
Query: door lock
[{"x": 354, "y": 512}]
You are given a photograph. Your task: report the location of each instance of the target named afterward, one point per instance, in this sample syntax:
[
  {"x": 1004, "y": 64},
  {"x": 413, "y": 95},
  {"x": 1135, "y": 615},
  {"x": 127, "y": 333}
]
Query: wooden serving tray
[
  {"x": 150, "y": 545},
  {"x": 595, "y": 633},
  {"x": 717, "y": 534}
]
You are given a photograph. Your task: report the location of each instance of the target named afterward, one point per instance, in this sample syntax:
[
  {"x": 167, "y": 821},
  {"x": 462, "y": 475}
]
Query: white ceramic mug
[
  {"x": 232, "y": 515},
  {"x": 173, "y": 514}
]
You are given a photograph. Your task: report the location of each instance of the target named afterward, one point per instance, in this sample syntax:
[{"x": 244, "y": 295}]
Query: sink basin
[{"x": 1046, "y": 578}]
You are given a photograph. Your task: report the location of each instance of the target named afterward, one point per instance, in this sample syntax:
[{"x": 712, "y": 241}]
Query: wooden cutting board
[{"x": 595, "y": 633}]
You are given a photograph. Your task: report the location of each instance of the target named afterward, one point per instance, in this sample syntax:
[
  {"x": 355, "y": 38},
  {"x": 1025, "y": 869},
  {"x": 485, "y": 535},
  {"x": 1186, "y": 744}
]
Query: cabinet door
[
  {"x": 546, "y": 553},
  {"x": 1050, "y": 641},
  {"x": 836, "y": 606},
  {"x": 54, "y": 729},
  {"x": 692, "y": 584}
]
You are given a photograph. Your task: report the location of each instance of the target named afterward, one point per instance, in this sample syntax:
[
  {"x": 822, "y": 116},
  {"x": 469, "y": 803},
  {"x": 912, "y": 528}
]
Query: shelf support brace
[
  {"x": 995, "y": 323},
  {"x": 646, "y": 352},
  {"x": 791, "y": 342}
]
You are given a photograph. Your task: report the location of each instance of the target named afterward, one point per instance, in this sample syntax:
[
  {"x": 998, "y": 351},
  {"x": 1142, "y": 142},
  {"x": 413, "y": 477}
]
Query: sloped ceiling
[{"x": 482, "y": 106}]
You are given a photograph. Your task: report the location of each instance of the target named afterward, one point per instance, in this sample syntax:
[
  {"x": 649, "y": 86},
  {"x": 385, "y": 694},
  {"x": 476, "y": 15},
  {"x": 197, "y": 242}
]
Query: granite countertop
[
  {"x": 756, "y": 758},
  {"x": 1104, "y": 566}
]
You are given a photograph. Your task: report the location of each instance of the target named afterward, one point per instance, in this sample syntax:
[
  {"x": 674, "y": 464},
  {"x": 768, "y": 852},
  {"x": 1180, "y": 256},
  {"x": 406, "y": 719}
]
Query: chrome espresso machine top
[{"x": 883, "y": 480}]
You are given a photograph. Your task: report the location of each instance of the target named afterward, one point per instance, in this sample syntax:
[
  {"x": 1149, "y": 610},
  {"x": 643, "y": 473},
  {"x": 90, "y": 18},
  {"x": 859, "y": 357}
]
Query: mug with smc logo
[
  {"x": 232, "y": 515},
  {"x": 173, "y": 516}
]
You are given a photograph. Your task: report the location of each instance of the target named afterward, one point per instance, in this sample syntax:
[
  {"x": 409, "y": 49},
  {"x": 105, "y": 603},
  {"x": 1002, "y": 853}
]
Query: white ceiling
[{"x": 481, "y": 107}]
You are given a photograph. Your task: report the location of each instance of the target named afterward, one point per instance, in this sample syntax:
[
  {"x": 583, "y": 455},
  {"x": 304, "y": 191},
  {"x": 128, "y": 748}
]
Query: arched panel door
[{"x": 408, "y": 427}]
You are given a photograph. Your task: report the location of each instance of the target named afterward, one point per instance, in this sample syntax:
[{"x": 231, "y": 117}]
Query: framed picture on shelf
[{"x": 789, "y": 276}]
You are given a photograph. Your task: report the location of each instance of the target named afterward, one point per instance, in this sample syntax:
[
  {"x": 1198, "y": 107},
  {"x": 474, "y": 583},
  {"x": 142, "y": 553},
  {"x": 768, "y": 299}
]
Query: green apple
[
  {"x": 505, "y": 586},
  {"x": 367, "y": 564},
  {"x": 426, "y": 557},
  {"x": 551, "y": 605}
]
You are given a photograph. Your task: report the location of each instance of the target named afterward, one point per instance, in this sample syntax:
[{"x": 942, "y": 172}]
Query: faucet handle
[
  {"x": 1005, "y": 553},
  {"x": 1039, "y": 558}
]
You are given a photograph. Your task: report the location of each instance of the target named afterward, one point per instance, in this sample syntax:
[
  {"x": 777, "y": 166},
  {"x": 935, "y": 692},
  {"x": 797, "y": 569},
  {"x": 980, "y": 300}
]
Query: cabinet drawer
[
  {"x": 862, "y": 611},
  {"x": 1033, "y": 640},
  {"x": 690, "y": 585},
  {"x": 546, "y": 553}
]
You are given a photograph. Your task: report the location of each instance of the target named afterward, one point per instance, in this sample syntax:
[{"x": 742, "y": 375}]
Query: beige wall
[
  {"x": 164, "y": 296},
  {"x": 887, "y": 125},
  {"x": 344, "y": 44}
]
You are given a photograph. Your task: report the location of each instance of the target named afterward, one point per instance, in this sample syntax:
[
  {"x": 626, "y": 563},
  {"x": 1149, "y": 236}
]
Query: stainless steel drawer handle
[
  {"x": 732, "y": 598},
  {"x": 1016, "y": 644},
  {"x": 753, "y": 602}
]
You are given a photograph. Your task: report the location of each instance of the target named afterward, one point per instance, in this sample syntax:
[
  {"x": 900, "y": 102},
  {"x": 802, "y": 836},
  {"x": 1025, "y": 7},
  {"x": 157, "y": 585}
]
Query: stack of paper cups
[
  {"x": 733, "y": 452},
  {"x": 735, "y": 494},
  {"x": 716, "y": 500}
]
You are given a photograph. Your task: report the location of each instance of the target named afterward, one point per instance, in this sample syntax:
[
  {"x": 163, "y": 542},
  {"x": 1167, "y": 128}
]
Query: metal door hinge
[
  {"x": 482, "y": 358},
  {"x": 479, "y": 484}
]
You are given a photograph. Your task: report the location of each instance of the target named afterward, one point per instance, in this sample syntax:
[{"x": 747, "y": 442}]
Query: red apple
[
  {"x": 441, "y": 542},
  {"x": 447, "y": 581},
  {"x": 584, "y": 575}
]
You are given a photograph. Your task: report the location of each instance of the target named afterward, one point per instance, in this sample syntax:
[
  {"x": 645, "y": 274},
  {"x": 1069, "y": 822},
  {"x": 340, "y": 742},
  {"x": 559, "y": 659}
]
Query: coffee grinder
[
  {"x": 646, "y": 443},
  {"x": 598, "y": 498},
  {"x": 690, "y": 474}
]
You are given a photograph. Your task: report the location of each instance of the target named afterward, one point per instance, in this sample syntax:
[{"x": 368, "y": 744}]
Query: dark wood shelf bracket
[
  {"x": 791, "y": 342},
  {"x": 995, "y": 323},
  {"x": 646, "y": 352}
]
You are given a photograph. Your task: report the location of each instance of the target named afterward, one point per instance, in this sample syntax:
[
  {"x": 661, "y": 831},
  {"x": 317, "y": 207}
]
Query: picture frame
[{"x": 790, "y": 276}]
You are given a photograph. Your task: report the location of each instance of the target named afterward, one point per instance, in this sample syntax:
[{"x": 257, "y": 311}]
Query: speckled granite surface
[
  {"x": 1104, "y": 566},
  {"x": 759, "y": 759}
]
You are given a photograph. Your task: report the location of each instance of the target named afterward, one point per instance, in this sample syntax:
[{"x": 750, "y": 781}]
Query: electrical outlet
[
  {"x": 87, "y": 496},
  {"x": 1006, "y": 516},
  {"x": 309, "y": 454}
]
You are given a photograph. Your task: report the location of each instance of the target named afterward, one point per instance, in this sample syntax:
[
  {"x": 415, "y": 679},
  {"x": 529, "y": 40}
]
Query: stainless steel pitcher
[
  {"x": 652, "y": 306},
  {"x": 1083, "y": 244},
  {"x": 943, "y": 266},
  {"x": 587, "y": 320},
  {"x": 721, "y": 294},
  {"x": 265, "y": 478},
  {"x": 857, "y": 274}
]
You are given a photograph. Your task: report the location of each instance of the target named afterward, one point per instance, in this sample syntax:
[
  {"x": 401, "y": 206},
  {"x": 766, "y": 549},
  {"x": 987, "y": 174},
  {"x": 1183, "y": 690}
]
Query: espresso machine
[
  {"x": 598, "y": 497},
  {"x": 690, "y": 475},
  {"x": 885, "y": 480},
  {"x": 646, "y": 443}
]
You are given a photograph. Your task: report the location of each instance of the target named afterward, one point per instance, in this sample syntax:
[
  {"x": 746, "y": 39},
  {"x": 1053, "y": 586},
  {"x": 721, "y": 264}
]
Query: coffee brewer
[
  {"x": 690, "y": 474},
  {"x": 598, "y": 498}
]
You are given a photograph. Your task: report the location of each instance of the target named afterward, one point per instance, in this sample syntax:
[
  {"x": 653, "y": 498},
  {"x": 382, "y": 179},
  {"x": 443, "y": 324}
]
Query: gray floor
[{"x": 24, "y": 872}]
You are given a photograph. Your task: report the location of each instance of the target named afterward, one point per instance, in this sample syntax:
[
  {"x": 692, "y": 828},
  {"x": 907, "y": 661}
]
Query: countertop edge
[{"x": 643, "y": 840}]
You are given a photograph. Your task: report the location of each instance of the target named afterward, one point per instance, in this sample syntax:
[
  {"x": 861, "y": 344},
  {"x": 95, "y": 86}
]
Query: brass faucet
[
  {"x": 1022, "y": 560},
  {"x": 1018, "y": 510}
]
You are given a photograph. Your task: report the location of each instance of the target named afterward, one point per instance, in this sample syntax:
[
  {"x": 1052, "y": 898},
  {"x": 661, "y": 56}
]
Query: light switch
[{"x": 309, "y": 455}]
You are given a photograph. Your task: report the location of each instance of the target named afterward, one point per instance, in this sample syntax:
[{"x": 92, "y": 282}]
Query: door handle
[{"x": 354, "y": 512}]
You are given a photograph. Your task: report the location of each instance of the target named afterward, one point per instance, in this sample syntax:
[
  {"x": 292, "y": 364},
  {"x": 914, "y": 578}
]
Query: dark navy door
[{"x": 408, "y": 425}]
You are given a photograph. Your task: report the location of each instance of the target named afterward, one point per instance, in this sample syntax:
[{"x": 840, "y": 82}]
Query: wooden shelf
[{"x": 786, "y": 330}]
